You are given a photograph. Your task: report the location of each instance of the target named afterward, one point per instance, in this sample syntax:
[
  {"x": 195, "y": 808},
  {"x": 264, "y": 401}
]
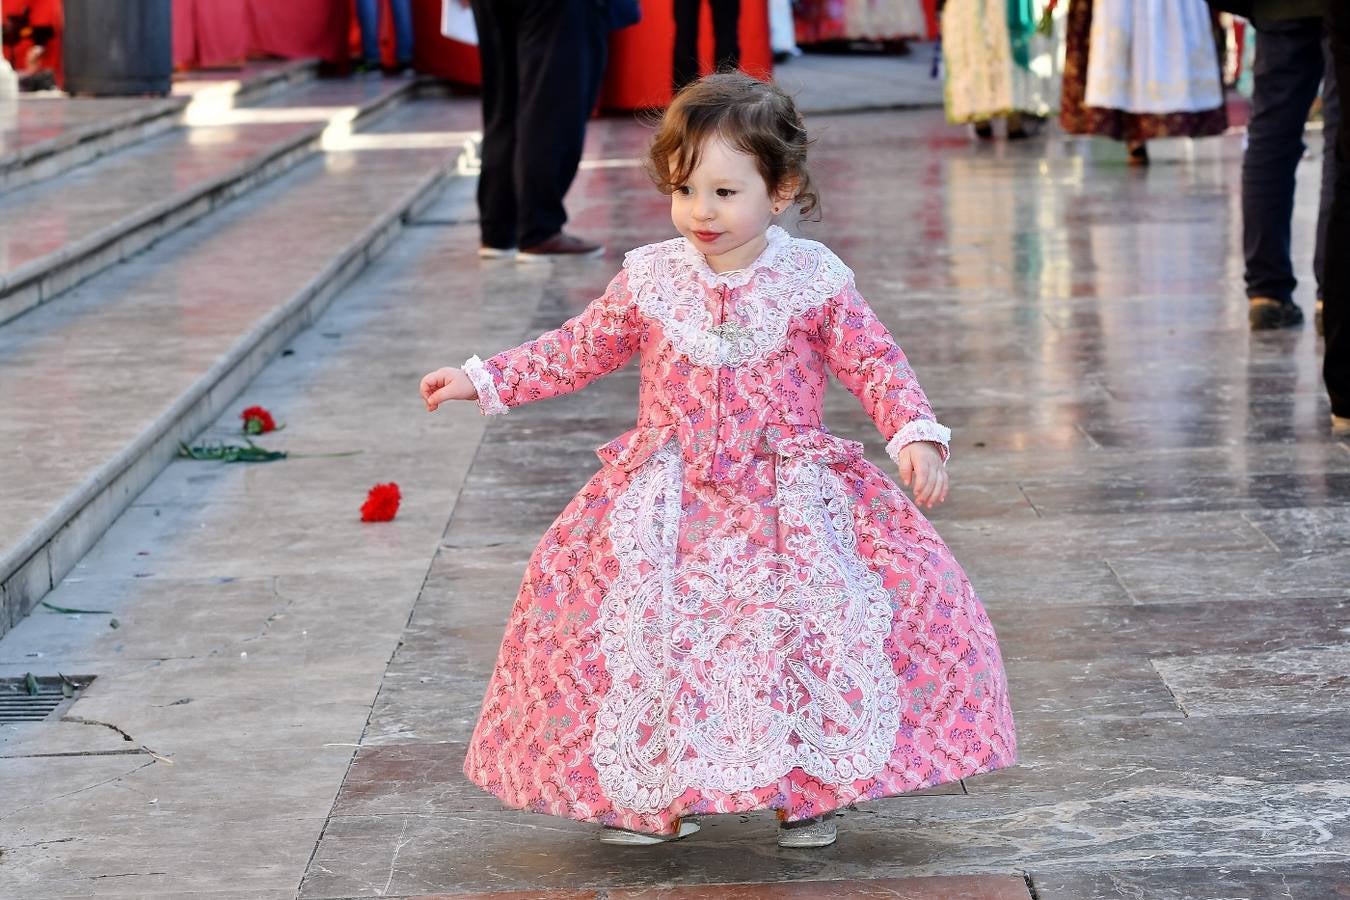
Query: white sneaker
[
  {"x": 486, "y": 252},
  {"x": 817, "y": 832},
  {"x": 642, "y": 839}
]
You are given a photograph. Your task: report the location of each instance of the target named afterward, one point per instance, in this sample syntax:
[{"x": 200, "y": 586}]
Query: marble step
[
  {"x": 42, "y": 137},
  {"x": 57, "y": 233},
  {"x": 99, "y": 389}
]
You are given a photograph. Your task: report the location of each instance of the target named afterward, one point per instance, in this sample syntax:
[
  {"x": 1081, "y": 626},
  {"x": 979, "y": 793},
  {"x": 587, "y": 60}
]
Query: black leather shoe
[{"x": 1266, "y": 314}]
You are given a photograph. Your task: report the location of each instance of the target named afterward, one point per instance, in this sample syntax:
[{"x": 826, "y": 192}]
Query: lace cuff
[
  {"x": 920, "y": 430},
  {"x": 489, "y": 401}
]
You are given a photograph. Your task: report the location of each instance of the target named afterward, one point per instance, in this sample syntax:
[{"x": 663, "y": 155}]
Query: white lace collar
[
  {"x": 672, "y": 283},
  {"x": 777, "y": 239}
]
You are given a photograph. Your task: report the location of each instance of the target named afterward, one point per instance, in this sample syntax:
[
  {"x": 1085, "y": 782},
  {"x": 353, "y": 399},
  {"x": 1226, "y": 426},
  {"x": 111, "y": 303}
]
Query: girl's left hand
[{"x": 923, "y": 471}]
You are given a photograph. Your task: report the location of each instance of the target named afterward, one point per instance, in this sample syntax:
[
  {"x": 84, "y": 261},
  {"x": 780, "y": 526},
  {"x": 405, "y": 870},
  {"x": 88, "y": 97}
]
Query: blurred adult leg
[
  {"x": 403, "y": 31},
  {"x": 726, "y": 15},
  {"x": 684, "y": 65},
  {"x": 1336, "y": 283},
  {"x": 559, "y": 54},
  {"x": 497, "y": 22},
  {"x": 1286, "y": 73},
  {"x": 1331, "y": 127},
  {"x": 368, "y": 18}
]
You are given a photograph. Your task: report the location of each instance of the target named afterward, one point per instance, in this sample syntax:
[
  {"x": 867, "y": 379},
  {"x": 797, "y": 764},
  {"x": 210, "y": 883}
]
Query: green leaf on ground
[
  {"x": 230, "y": 453},
  {"x": 65, "y": 610}
]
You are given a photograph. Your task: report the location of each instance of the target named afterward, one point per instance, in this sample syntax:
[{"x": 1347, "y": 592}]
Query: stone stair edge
[
  {"x": 52, "y": 157},
  {"x": 43, "y": 280},
  {"x": 30, "y": 568}
]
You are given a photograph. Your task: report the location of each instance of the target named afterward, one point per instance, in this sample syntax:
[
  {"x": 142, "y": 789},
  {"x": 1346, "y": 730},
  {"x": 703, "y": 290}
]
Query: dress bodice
[{"x": 733, "y": 364}]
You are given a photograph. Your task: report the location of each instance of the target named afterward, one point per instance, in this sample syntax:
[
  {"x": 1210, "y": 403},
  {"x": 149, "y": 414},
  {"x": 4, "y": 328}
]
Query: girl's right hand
[{"x": 446, "y": 384}]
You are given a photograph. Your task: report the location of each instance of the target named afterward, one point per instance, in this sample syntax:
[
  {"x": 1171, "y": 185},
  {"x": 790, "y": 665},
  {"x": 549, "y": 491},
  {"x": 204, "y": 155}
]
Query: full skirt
[{"x": 796, "y": 637}]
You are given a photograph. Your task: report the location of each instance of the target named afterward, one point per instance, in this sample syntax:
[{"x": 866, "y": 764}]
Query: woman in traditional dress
[
  {"x": 1001, "y": 61},
  {"x": 1135, "y": 70}
]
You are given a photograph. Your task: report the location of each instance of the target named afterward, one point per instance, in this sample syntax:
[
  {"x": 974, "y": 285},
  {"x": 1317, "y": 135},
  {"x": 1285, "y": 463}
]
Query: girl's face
[{"x": 725, "y": 207}]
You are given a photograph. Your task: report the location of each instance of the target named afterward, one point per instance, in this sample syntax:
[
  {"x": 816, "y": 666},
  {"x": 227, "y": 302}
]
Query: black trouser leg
[
  {"x": 1336, "y": 284},
  {"x": 726, "y": 15},
  {"x": 560, "y": 53},
  {"x": 1286, "y": 74},
  {"x": 1331, "y": 127},
  {"x": 684, "y": 66},
  {"x": 497, "y": 22}
]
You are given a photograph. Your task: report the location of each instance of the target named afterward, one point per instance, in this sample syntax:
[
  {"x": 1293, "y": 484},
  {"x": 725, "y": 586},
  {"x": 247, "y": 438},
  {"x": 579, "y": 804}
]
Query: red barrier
[{"x": 640, "y": 57}]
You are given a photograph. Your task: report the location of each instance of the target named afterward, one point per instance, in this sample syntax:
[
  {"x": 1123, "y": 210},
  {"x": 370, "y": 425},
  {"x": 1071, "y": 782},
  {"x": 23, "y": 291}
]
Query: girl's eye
[
  {"x": 684, "y": 190},
  {"x": 725, "y": 192}
]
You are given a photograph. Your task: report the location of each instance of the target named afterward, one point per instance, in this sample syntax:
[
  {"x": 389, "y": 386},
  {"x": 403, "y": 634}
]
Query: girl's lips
[{"x": 707, "y": 237}]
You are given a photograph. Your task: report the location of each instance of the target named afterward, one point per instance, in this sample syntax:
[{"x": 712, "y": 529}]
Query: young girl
[{"x": 738, "y": 612}]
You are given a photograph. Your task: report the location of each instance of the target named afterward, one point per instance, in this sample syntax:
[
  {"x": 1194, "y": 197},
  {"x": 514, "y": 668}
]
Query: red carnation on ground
[
  {"x": 257, "y": 420},
  {"x": 381, "y": 503}
]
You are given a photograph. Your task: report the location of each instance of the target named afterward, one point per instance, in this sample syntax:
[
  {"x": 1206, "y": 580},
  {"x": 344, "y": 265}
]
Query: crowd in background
[{"x": 1131, "y": 70}]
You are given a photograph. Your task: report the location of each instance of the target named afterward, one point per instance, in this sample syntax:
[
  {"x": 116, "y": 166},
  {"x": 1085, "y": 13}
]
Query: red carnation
[
  {"x": 381, "y": 503},
  {"x": 257, "y": 420}
]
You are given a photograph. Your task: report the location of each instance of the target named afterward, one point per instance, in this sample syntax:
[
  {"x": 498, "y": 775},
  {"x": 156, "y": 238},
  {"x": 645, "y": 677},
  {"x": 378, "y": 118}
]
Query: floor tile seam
[
  {"x": 1256, "y": 527},
  {"x": 412, "y": 608},
  {"x": 1162, "y": 679},
  {"x": 1055, "y": 508},
  {"x": 1329, "y": 594},
  {"x": 333, "y": 816},
  {"x": 618, "y": 892},
  {"x": 1170, "y": 655},
  {"x": 143, "y": 764},
  {"x": 1120, "y": 582},
  {"x": 1022, "y": 490},
  {"x": 251, "y": 746}
]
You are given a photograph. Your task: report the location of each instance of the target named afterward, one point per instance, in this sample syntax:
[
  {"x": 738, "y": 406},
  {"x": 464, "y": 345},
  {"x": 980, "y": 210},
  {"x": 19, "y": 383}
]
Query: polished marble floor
[{"x": 1145, "y": 495}]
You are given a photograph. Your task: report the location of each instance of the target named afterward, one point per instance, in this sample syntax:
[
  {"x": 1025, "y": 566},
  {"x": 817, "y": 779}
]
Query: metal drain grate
[{"x": 18, "y": 702}]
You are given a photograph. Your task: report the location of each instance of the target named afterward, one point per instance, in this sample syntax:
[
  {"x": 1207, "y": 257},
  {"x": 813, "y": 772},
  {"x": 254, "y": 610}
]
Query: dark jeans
[
  {"x": 542, "y": 64},
  {"x": 368, "y": 15},
  {"x": 1336, "y": 281},
  {"x": 726, "y": 17},
  {"x": 1290, "y": 64}
]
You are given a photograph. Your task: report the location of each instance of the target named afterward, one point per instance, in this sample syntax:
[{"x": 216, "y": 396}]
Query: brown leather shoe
[{"x": 561, "y": 244}]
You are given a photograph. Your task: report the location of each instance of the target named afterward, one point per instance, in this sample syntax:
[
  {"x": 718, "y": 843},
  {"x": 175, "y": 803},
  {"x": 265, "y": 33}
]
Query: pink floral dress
[{"x": 737, "y": 611}]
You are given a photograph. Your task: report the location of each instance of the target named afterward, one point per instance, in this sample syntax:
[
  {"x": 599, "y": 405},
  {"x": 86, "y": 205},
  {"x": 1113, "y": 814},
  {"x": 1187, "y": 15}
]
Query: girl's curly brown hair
[{"x": 754, "y": 117}]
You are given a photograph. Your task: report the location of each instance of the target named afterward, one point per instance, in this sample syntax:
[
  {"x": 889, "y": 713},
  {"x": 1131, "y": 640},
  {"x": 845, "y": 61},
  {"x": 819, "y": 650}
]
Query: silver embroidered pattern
[
  {"x": 730, "y": 332},
  {"x": 732, "y": 667}
]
